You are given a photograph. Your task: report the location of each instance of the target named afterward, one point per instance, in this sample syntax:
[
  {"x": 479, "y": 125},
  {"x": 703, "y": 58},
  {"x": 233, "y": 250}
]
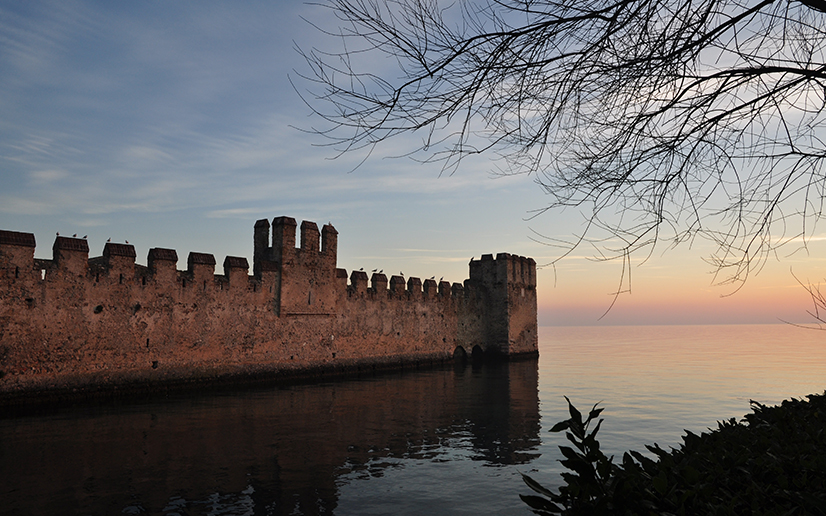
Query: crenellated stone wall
[{"x": 78, "y": 323}]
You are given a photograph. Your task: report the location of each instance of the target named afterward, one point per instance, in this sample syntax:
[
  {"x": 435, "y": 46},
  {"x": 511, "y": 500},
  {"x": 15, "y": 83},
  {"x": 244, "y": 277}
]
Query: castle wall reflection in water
[{"x": 283, "y": 450}]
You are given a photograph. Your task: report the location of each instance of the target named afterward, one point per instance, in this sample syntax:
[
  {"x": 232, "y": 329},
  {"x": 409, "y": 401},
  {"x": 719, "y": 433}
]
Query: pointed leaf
[
  {"x": 648, "y": 465},
  {"x": 578, "y": 430},
  {"x": 562, "y": 425},
  {"x": 593, "y": 433},
  {"x": 655, "y": 449},
  {"x": 577, "y": 442},
  {"x": 536, "y": 486},
  {"x": 595, "y": 412},
  {"x": 576, "y": 416},
  {"x": 541, "y": 505},
  {"x": 569, "y": 453}
]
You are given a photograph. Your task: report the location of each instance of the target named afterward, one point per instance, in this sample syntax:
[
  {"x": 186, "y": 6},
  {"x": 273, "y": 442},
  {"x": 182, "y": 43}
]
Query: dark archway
[
  {"x": 459, "y": 354},
  {"x": 478, "y": 354}
]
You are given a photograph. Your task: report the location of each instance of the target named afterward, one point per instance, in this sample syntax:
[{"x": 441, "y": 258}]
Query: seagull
[
  {"x": 58, "y": 233},
  {"x": 401, "y": 273},
  {"x": 74, "y": 236},
  {"x": 374, "y": 270},
  {"x": 381, "y": 271},
  {"x": 109, "y": 239},
  {"x": 84, "y": 237},
  {"x": 433, "y": 277},
  {"x": 361, "y": 269},
  {"x": 127, "y": 241},
  {"x": 441, "y": 279}
]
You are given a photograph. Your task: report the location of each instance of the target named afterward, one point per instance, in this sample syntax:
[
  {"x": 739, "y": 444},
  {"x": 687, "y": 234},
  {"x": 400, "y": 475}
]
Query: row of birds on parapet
[
  {"x": 361, "y": 269},
  {"x": 85, "y": 236},
  {"x": 400, "y": 273}
]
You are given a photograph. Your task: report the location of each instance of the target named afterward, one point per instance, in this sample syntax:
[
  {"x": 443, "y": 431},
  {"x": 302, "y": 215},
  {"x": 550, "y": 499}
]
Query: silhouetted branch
[{"x": 662, "y": 119}]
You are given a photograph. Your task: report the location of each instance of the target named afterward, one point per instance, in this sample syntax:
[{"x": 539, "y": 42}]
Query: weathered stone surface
[
  {"x": 79, "y": 323},
  {"x": 17, "y": 239}
]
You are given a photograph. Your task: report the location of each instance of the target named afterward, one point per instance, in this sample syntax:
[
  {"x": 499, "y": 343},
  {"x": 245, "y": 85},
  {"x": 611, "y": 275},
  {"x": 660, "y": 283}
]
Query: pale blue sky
[{"x": 171, "y": 124}]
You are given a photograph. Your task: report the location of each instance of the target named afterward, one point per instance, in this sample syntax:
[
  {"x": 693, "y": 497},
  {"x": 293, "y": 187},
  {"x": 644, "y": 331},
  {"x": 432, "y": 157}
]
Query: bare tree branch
[{"x": 664, "y": 120}]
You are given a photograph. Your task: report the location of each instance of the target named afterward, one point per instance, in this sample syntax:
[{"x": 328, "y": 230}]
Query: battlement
[
  {"x": 505, "y": 268},
  {"x": 16, "y": 254},
  {"x": 296, "y": 309},
  {"x": 311, "y": 266},
  {"x": 397, "y": 288},
  {"x": 16, "y": 239},
  {"x": 283, "y": 248}
]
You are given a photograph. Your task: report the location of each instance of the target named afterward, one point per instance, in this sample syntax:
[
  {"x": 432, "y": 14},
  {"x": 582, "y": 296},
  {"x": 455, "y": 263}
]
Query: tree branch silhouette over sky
[{"x": 661, "y": 120}]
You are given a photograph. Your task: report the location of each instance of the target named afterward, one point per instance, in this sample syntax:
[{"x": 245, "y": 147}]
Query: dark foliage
[{"x": 771, "y": 463}]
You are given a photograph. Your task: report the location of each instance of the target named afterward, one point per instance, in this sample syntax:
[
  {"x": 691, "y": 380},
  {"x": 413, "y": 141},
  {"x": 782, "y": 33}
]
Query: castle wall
[{"x": 75, "y": 322}]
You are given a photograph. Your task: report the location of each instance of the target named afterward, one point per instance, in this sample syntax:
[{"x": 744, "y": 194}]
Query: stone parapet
[{"x": 94, "y": 319}]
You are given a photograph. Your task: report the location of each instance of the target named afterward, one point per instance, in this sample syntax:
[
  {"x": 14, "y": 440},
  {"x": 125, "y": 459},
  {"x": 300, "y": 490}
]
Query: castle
[{"x": 75, "y": 324}]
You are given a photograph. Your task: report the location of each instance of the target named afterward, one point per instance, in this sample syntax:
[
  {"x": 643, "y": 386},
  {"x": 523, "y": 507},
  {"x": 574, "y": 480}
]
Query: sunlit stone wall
[{"x": 78, "y": 323}]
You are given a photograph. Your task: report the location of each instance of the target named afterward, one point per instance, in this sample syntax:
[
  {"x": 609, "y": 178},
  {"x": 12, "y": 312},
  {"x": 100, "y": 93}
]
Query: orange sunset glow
[{"x": 679, "y": 287}]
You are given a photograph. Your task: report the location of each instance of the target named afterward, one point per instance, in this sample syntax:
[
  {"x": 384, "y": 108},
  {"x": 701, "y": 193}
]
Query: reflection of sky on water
[
  {"x": 444, "y": 441},
  {"x": 654, "y": 382}
]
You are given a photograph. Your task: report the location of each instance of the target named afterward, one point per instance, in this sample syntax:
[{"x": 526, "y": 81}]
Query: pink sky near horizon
[{"x": 678, "y": 287}]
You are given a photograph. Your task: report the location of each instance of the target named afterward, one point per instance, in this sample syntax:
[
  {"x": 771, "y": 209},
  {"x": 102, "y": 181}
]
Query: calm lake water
[{"x": 443, "y": 441}]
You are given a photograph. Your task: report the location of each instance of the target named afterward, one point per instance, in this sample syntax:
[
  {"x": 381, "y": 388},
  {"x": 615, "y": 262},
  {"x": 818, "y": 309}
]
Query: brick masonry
[{"x": 75, "y": 324}]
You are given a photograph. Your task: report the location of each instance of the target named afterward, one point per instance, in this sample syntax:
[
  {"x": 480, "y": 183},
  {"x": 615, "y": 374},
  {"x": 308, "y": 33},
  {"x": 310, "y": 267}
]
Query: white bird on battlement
[
  {"x": 74, "y": 236},
  {"x": 374, "y": 270},
  {"x": 109, "y": 239}
]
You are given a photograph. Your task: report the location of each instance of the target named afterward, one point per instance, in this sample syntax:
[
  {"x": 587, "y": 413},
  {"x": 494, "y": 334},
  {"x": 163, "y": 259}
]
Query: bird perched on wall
[
  {"x": 374, "y": 270},
  {"x": 74, "y": 236},
  {"x": 441, "y": 279},
  {"x": 361, "y": 269},
  {"x": 127, "y": 241},
  {"x": 433, "y": 277},
  {"x": 58, "y": 233},
  {"x": 84, "y": 237},
  {"x": 381, "y": 271},
  {"x": 109, "y": 239}
]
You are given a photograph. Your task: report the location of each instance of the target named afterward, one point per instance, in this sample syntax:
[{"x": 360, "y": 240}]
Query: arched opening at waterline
[{"x": 459, "y": 354}]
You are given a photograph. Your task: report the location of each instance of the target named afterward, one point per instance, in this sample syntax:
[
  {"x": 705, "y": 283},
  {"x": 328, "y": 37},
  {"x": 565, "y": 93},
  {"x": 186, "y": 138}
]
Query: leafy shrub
[{"x": 771, "y": 462}]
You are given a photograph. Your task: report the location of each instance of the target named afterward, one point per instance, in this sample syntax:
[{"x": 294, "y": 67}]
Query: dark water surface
[
  {"x": 442, "y": 441},
  {"x": 296, "y": 450}
]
